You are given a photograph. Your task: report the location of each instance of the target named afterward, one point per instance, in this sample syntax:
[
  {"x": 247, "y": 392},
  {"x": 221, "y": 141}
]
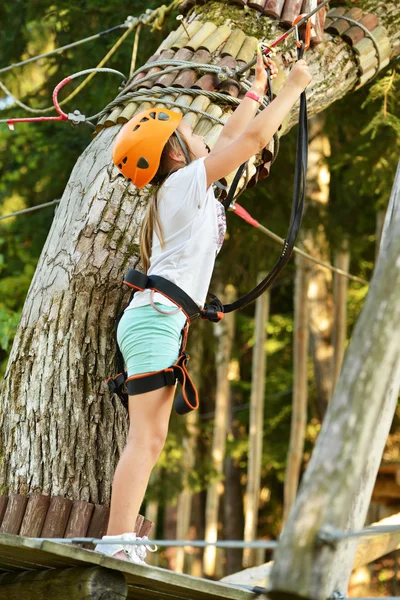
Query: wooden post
[
  {"x": 300, "y": 386},
  {"x": 64, "y": 584},
  {"x": 189, "y": 444},
  {"x": 224, "y": 331},
  {"x": 256, "y": 424},
  {"x": 339, "y": 480},
  {"x": 340, "y": 288}
]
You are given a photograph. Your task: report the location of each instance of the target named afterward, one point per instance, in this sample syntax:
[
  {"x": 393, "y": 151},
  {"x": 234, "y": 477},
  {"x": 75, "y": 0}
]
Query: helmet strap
[{"x": 183, "y": 147}]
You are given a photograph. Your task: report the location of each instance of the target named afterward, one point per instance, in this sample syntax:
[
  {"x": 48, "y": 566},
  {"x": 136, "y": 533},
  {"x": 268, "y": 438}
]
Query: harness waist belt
[{"x": 139, "y": 281}]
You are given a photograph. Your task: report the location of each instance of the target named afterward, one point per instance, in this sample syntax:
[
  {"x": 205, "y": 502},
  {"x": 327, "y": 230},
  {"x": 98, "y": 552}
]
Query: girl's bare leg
[{"x": 149, "y": 416}]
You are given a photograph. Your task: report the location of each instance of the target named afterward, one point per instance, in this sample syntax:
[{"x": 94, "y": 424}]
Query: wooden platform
[{"x": 20, "y": 555}]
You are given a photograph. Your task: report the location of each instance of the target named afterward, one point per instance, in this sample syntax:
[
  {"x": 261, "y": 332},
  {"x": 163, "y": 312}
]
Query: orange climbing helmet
[{"x": 139, "y": 145}]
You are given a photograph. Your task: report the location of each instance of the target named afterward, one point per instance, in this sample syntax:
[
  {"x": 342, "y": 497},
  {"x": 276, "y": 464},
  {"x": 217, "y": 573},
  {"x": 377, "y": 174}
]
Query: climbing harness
[{"x": 120, "y": 384}]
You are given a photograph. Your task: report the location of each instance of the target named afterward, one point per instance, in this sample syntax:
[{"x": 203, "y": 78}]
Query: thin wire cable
[
  {"x": 62, "y": 48},
  {"x": 239, "y": 544},
  {"x": 28, "y": 210}
]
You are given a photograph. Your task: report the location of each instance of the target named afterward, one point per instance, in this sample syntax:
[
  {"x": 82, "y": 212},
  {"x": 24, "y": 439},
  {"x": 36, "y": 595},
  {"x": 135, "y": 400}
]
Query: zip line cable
[
  {"x": 240, "y": 213},
  {"x": 28, "y": 210},
  {"x": 239, "y": 544},
  {"x": 63, "y": 48}
]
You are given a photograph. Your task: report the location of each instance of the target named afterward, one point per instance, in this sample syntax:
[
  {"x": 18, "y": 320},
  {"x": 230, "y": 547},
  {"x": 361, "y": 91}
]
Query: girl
[{"x": 181, "y": 234}]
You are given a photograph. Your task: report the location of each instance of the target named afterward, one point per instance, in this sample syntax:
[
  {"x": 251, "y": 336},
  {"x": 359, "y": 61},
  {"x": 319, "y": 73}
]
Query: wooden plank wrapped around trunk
[
  {"x": 14, "y": 514},
  {"x": 168, "y": 78},
  {"x": 205, "y": 125},
  {"x": 62, "y": 584},
  {"x": 3, "y": 506},
  {"x": 273, "y": 8},
  {"x": 128, "y": 112},
  {"x": 248, "y": 49},
  {"x": 336, "y": 12},
  {"x": 79, "y": 519},
  {"x": 354, "y": 34},
  {"x": 187, "y": 77},
  {"x": 216, "y": 39},
  {"x": 200, "y": 103},
  {"x": 191, "y": 29},
  {"x": 184, "y": 100},
  {"x": 234, "y": 43},
  {"x": 113, "y": 116},
  {"x": 240, "y": 2},
  {"x": 170, "y": 39},
  {"x": 35, "y": 515},
  {"x": 165, "y": 55},
  {"x": 57, "y": 517},
  {"x": 317, "y": 36},
  {"x": 98, "y": 523},
  {"x": 145, "y": 528},
  {"x": 257, "y": 4},
  {"x": 200, "y": 37},
  {"x": 341, "y": 25},
  {"x": 317, "y": 20},
  {"x": 291, "y": 11},
  {"x": 365, "y": 45},
  {"x": 143, "y": 74}
]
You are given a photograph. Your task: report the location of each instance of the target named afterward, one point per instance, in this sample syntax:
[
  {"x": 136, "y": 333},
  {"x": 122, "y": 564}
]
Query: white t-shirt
[{"x": 193, "y": 222}]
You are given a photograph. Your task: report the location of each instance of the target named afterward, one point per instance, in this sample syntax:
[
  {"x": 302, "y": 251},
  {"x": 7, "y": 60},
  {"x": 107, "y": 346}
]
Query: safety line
[
  {"x": 63, "y": 48},
  {"x": 28, "y": 210},
  {"x": 239, "y": 544},
  {"x": 241, "y": 212}
]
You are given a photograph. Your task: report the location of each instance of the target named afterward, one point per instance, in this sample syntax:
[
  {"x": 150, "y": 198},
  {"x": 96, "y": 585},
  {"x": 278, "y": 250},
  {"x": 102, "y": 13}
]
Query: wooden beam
[
  {"x": 298, "y": 425},
  {"x": 340, "y": 477},
  {"x": 256, "y": 427},
  {"x": 372, "y": 548},
  {"x": 64, "y": 584}
]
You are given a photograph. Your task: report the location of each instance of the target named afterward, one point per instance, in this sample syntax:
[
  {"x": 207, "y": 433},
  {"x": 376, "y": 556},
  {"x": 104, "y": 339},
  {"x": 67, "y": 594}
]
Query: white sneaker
[
  {"x": 133, "y": 553},
  {"x": 142, "y": 549}
]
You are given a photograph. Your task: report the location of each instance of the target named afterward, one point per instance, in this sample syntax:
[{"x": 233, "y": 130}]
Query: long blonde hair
[{"x": 151, "y": 221}]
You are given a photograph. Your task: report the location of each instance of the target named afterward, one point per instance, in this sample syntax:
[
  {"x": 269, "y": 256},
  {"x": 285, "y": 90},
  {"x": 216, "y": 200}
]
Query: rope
[
  {"x": 241, "y": 212},
  {"x": 268, "y": 545},
  {"x": 62, "y": 48},
  {"x": 135, "y": 50},
  {"x": 28, "y": 210},
  {"x": 368, "y": 33}
]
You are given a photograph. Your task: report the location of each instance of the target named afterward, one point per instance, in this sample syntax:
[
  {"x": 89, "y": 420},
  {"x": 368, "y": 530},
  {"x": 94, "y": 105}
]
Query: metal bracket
[{"x": 75, "y": 118}]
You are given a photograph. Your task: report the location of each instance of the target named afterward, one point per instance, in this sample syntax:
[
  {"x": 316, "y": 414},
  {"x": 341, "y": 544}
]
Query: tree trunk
[
  {"x": 256, "y": 429},
  {"x": 339, "y": 480},
  {"x": 224, "y": 331},
  {"x": 320, "y": 301},
  {"x": 58, "y": 423},
  {"x": 300, "y": 386},
  {"x": 189, "y": 443},
  {"x": 340, "y": 289}
]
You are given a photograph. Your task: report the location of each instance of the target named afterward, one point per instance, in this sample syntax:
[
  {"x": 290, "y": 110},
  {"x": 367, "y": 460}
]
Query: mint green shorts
[{"x": 149, "y": 340}]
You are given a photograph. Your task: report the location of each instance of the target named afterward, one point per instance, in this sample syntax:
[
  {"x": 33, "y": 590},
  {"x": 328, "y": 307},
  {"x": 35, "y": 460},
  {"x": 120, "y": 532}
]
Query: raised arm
[
  {"x": 221, "y": 162},
  {"x": 245, "y": 112}
]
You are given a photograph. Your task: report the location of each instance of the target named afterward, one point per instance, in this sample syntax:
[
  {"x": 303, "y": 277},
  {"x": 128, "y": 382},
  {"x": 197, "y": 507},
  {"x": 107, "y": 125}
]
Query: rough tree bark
[{"x": 58, "y": 423}]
